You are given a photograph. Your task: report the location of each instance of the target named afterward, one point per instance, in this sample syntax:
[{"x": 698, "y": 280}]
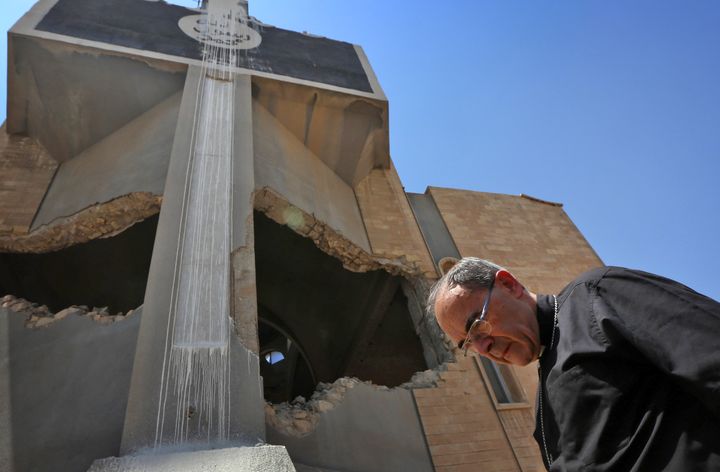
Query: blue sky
[{"x": 610, "y": 107}]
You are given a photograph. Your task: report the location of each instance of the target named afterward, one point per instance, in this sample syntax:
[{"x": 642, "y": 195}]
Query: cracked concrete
[
  {"x": 102, "y": 220},
  {"x": 300, "y": 417},
  {"x": 244, "y": 297},
  {"x": 66, "y": 385},
  {"x": 39, "y": 316},
  {"x": 437, "y": 349},
  {"x": 327, "y": 239},
  {"x": 386, "y": 434}
]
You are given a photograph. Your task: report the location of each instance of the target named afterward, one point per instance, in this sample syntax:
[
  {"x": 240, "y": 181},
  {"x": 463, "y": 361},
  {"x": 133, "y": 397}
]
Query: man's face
[{"x": 515, "y": 335}]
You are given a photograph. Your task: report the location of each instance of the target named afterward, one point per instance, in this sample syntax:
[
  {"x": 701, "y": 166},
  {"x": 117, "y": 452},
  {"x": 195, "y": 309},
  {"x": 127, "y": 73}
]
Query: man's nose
[{"x": 482, "y": 344}]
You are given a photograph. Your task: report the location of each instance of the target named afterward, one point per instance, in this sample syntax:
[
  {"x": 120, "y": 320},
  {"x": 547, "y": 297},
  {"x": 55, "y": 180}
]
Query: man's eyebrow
[{"x": 471, "y": 319}]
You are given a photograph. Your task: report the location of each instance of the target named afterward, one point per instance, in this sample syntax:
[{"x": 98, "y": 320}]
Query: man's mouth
[
  {"x": 499, "y": 355},
  {"x": 504, "y": 355}
]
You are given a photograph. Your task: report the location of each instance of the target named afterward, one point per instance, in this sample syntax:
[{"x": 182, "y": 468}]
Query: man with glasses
[{"x": 629, "y": 362}]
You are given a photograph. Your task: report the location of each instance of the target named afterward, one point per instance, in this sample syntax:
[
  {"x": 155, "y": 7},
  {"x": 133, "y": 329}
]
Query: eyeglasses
[{"x": 477, "y": 325}]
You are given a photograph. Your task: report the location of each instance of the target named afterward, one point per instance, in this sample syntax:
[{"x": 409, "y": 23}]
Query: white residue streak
[{"x": 196, "y": 372}]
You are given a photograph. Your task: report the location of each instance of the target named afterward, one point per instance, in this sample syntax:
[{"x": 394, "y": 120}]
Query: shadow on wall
[{"x": 108, "y": 272}]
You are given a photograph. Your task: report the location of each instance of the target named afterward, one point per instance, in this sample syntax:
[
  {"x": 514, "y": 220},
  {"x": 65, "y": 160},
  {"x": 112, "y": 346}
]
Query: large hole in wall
[
  {"x": 110, "y": 272},
  {"x": 319, "y": 321}
]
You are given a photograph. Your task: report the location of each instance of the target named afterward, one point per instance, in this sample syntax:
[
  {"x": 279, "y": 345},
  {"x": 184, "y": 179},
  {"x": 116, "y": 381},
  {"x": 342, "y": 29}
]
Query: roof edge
[{"x": 540, "y": 200}]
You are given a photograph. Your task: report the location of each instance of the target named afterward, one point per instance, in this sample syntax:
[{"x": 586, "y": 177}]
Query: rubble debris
[
  {"x": 328, "y": 240},
  {"x": 39, "y": 316},
  {"x": 426, "y": 378},
  {"x": 300, "y": 417},
  {"x": 102, "y": 220}
]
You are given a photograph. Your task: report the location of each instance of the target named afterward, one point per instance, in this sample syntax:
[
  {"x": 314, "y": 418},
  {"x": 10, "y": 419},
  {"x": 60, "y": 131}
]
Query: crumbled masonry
[
  {"x": 39, "y": 316},
  {"x": 425, "y": 379},
  {"x": 102, "y": 220},
  {"x": 437, "y": 347},
  {"x": 108, "y": 219},
  {"x": 328, "y": 240},
  {"x": 300, "y": 417}
]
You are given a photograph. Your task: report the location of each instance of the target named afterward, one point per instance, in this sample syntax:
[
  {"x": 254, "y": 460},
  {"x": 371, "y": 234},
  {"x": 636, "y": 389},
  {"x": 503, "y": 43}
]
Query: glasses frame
[{"x": 474, "y": 321}]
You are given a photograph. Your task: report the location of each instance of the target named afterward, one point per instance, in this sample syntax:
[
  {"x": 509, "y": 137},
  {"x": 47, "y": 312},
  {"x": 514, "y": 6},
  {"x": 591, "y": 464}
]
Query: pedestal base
[{"x": 236, "y": 459}]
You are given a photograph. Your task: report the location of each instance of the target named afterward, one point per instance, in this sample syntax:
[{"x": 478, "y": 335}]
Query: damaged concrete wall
[
  {"x": 344, "y": 323},
  {"x": 105, "y": 272},
  {"x": 98, "y": 221},
  {"x": 353, "y": 257},
  {"x": 65, "y": 379},
  {"x": 354, "y": 427},
  {"x": 133, "y": 159},
  {"x": 284, "y": 164},
  {"x": 435, "y": 349}
]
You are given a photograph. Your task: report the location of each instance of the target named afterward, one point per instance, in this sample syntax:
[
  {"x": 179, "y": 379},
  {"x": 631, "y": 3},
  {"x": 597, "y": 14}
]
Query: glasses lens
[
  {"x": 478, "y": 330},
  {"x": 479, "y": 327}
]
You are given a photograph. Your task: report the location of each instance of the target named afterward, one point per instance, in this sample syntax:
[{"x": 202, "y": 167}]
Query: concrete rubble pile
[{"x": 300, "y": 416}]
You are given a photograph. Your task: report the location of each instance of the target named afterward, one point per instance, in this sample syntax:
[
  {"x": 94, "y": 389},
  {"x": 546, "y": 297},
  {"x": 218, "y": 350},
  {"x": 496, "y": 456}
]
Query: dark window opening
[
  {"x": 284, "y": 366},
  {"x": 341, "y": 323},
  {"x": 274, "y": 357},
  {"x": 110, "y": 272}
]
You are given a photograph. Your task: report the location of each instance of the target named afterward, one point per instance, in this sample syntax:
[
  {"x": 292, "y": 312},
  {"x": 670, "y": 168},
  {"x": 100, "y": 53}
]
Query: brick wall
[
  {"x": 536, "y": 241},
  {"x": 389, "y": 221},
  {"x": 26, "y": 170},
  {"x": 462, "y": 428}
]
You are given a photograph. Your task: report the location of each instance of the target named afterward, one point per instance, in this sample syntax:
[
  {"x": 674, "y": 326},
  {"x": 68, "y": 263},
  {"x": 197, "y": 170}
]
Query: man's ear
[{"x": 509, "y": 282}]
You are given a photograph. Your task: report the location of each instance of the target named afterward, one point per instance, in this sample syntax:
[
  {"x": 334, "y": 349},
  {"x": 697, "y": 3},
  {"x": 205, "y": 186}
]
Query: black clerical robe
[{"x": 632, "y": 382}]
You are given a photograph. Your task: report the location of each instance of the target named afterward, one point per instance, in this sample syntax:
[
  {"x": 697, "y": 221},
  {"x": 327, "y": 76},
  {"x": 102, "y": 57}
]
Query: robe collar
[{"x": 545, "y": 317}]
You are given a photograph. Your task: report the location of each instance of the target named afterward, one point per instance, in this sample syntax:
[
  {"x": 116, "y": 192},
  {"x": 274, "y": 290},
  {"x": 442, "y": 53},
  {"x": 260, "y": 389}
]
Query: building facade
[{"x": 330, "y": 260}]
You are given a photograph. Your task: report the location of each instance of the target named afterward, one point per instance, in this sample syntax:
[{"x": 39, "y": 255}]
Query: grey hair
[{"x": 469, "y": 272}]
